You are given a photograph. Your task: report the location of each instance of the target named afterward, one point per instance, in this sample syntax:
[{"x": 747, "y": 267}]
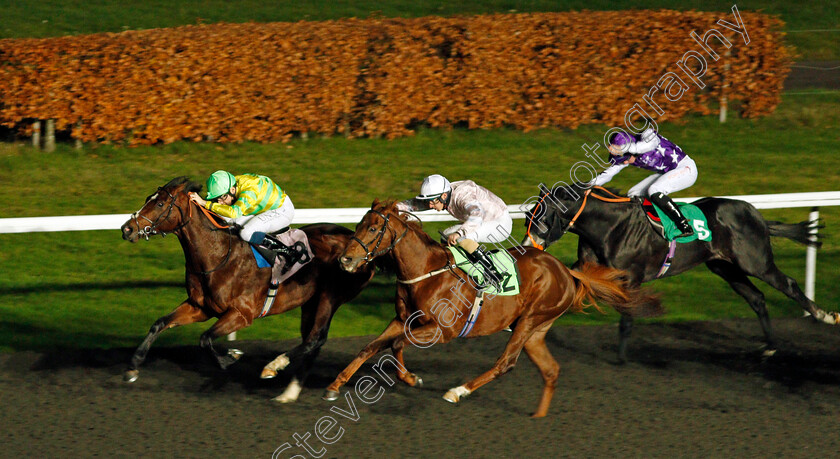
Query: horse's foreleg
[
  {"x": 505, "y": 362},
  {"x": 184, "y": 314},
  {"x": 228, "y": 323},
  {"x": 405, "y": 376},
  {"x": 625, "y": 327},
  {"x": 538, "y": 352},
  {"x": 393, "y": 331}
]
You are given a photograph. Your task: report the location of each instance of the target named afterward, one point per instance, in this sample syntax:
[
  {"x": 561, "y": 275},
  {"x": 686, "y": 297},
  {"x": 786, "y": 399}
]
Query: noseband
[
  {"x": 152, "y": 228},
  {"x": 375, "y": 251}
]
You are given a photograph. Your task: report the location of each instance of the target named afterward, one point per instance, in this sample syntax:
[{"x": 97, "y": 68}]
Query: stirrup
[{"x": 685, "y": 229}]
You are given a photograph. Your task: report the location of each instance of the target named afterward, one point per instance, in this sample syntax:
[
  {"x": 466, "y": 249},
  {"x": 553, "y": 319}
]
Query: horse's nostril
[{"x": 345, "y": 260}]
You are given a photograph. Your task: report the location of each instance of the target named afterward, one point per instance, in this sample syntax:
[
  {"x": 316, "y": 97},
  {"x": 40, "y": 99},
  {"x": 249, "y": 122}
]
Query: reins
[
  {"x": 152, "y": 228},
  {"x": 375, "y": 251},
  {"x": 211, "y": 216},
  {"x": 611, "y": 198}
]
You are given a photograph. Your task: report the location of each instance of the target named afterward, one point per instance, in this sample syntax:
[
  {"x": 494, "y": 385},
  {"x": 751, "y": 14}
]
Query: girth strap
[
  {"x": 672, "y": 249},
  {"x": 476, "y": 309}
]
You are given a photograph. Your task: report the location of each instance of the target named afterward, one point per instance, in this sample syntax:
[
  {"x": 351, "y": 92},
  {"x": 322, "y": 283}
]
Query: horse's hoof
[
  {"x": 768, "y": 353},
  {"x": 235, "y": 354},
  {"x": 456, "y": 394},
  {"x": 291, "y": 393},
  {"x": 330, "y": 395},
  {"x": 131, "y": 375},
  {"x": 418, "y": 381},
  {"x": 283, "y": 399},
  {"x": 268, "y": 373}
]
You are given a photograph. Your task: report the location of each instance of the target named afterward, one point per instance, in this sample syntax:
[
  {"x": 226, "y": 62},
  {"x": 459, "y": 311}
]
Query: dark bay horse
[
  {"x": 613, "y": 231},
  {"x": 428, "y": 312},
  {"x": 224, "y": 282}
]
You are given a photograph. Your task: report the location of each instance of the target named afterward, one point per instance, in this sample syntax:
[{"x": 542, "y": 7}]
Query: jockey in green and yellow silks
[{"x": 251, "y": 201}]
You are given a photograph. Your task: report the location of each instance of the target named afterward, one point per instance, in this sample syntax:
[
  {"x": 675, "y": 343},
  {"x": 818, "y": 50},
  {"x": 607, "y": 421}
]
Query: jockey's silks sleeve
[
  {"x": 469, "y": 203},
  {"x": 254, "y": 194},
  {"x": 474, "y": 205}
]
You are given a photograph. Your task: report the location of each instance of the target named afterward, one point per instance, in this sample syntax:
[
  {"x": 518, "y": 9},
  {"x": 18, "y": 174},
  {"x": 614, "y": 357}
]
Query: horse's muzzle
[
  {"x": 128, "y": 233},
  {"x": 349, "y": 264}
]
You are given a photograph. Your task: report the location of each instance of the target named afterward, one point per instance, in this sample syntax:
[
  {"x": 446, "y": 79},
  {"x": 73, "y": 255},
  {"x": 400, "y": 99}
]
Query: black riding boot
[
  {"x": 271, "y": 243},
  {"x": 673, "y": 212},
  {"x": 491, "y": 275}
]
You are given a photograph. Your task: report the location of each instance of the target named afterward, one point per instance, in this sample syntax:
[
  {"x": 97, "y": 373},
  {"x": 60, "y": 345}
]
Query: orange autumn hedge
[{"x": 381, "y": 77}]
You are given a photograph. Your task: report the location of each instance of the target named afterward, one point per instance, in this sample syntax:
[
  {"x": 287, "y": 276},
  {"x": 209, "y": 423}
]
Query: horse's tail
[
  {"x": 799, "y": 232},
  {"x": 610, "y": 285}
]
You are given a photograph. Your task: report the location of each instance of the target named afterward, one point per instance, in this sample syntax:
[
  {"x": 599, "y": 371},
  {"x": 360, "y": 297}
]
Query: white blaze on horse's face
[{"x": 152, "y": 198}]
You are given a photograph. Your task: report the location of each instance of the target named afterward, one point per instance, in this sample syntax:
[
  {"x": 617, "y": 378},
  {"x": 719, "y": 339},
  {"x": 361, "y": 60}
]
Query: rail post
[{"x": 811, "y": 257}]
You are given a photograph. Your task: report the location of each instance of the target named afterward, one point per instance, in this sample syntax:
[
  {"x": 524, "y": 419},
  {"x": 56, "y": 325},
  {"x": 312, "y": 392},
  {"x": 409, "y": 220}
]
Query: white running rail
[{"x": 354, "y": 214}]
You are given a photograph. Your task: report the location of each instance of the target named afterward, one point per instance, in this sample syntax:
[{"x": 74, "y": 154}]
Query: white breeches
[
  {"x": 255, "y": 227},
  {"x": 678, "y": 179},
  {"x": 496, "y": 231}
]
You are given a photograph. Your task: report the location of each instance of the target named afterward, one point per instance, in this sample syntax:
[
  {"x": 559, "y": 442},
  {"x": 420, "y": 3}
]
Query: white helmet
[{"x": 433, "y": 186}]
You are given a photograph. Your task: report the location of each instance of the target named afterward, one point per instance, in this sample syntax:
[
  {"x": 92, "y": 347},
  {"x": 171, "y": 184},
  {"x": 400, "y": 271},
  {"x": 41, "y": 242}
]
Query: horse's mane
[
  {"x": 190, "y": 187},
  {"x": 391, "y": 206}
]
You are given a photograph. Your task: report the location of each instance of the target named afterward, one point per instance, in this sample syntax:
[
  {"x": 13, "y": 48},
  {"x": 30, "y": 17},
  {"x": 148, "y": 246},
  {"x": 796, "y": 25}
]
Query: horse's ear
[{"x": 375, "y": 203}]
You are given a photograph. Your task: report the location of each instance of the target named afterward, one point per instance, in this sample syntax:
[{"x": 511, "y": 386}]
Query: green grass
[
  {"x": 48, "y": 18},
  {"x": 91, "y": 289}
]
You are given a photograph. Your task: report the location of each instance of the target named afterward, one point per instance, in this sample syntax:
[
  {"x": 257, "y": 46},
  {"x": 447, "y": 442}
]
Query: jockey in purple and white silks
[
  {"x": 673, "y": 170},
  {"x": 484, "y": 216}
]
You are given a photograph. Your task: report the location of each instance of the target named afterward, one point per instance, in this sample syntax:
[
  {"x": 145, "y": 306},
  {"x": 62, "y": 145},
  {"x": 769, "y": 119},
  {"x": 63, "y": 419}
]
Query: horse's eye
[
  {"x": 160, "y": 204},
  {"x": 372, "y": 229}
]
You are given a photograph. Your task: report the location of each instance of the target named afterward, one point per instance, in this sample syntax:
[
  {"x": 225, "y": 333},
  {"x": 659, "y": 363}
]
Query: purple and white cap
[{"x": 621, "y": 138}]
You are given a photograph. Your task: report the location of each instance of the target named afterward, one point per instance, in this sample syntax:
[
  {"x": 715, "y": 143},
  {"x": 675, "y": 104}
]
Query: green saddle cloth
[
  {"x": 695, "y": 218},
  {"x": 505, "y": 265}
]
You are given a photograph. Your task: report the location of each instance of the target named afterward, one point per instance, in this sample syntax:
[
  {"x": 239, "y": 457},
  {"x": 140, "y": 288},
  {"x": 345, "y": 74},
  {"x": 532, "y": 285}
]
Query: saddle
[
  {"x": 652, "y": 216},
  {"x": 665, "y": 228}
]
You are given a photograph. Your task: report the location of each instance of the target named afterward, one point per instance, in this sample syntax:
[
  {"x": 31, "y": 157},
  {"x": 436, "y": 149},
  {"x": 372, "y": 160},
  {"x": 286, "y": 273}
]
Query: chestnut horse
[
  {"x": 224, "y": 282},
  {"x": 427, "y": 280}
]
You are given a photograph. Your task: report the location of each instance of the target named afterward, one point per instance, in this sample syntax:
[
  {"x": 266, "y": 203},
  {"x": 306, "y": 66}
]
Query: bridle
[
  {"x": 612, "y": 198},
  {"x": 375, "y": 251},
  {"x": 152, "y": 228}
]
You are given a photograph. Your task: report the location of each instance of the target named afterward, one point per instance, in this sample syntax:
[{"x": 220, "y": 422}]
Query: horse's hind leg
[
  {"x": 739, "y": 282},
  {"x": 538, "y": 352},
  {"x": 184, "y": 314},
  {"x": 228, "y": 323},
  {"x": 780, "y": 281},
  {"x": 314, "y": 327},
  {"x": 625, "y": 328}
]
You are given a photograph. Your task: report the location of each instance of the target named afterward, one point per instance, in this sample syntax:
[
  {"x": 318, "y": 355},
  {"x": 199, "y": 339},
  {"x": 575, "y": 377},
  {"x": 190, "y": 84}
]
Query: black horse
[{"x": 614, "y": 231}]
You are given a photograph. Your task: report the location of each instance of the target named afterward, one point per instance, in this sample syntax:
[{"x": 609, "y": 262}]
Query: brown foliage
[{"x": 379, "y": 77}]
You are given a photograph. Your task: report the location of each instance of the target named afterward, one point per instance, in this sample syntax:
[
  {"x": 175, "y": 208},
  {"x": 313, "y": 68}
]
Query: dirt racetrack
[{"x": 696, "y": 389}]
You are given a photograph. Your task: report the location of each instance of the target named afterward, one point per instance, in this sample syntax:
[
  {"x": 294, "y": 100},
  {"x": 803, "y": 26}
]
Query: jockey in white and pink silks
[
  {"x": 674, "y": 170},
  {"x": 484, "y": 216}
]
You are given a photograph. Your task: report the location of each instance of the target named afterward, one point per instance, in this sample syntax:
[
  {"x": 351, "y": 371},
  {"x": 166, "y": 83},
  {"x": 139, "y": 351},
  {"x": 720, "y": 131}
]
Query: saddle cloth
[
  {"x": 505, "y": 265},
  {"x": 295, "y": 239},
  {"x": 666, "y": 228}
]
